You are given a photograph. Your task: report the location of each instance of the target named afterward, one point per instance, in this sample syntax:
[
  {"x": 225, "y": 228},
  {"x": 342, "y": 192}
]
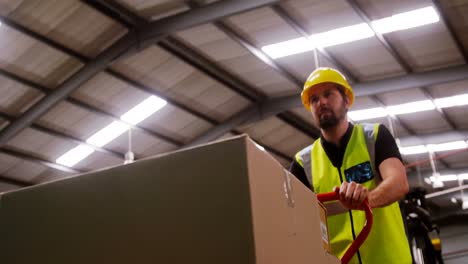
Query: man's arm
[{"x": 394, "y": 183}]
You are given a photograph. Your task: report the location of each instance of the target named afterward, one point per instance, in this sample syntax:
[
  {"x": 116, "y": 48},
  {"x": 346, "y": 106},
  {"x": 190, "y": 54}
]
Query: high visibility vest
[{"x": 387, "y": 241}]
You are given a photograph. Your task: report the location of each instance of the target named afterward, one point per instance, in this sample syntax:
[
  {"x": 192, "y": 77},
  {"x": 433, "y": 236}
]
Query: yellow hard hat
[{"x": 325, "y": 75}]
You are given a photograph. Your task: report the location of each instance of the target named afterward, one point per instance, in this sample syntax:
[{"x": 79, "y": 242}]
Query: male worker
[{"x": 364, "y": 161}]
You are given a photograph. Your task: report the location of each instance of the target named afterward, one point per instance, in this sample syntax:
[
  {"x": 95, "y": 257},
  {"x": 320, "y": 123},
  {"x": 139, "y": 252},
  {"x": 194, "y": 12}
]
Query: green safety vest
[{"x": 387, "y": 241}]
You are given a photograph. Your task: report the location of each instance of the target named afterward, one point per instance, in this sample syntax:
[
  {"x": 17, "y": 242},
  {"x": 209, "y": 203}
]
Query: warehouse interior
[{"x": 90, "y": 84}]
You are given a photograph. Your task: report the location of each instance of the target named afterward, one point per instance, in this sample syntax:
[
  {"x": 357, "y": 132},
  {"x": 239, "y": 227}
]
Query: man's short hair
[{"x": 341, "y": 89}]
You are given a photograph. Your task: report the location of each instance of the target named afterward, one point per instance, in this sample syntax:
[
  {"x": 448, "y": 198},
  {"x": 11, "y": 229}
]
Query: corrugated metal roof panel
[
  {"x": 24, "y": 170},
  {"x": 319, "y": 16},
  {"x": 427, "y": 122},
  {"x": 263, "y": 26},
  {"x": 367, "y": 59},
  {"x": 16, "y": 98},
  {"x": 236, "y": 59},
  {"x": 180, "y": 125},
  {"x": 40, "y": 144},
  {"x": 155, "y": 9},
  {"x": 110, "y": 94},
  {"x": 97, "y": 161},
  {"x": 71, "y": 23},
  {"x": 143, "y": 145},
  {"x": 74, "y": 120},
  {"x": 33, "y": 60}
]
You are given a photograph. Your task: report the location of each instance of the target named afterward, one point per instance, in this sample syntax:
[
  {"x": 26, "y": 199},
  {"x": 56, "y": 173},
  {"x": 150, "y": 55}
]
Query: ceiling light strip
[
  {"x": 107, "y": 134},
  {"x": 398, "y": 22}
]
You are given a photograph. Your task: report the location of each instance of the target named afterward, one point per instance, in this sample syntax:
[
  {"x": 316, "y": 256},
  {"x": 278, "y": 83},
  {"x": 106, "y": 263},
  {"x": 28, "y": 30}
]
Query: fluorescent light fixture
[
  {"x": 107, "y": 134},
  {"x": 413, "y": 150},
  {"x": 324, "y": 39},
  {"x": 451, "y": 101},
  {"x": 367, "y": 113},
  {"x": 444, "y": 178},
  {"x": 75, "y": 155},
  {"x": 402, "y": 21},
  {"x": 412, "y": 107},
  {"x": 447, "y": 146},
  {"x": 134, "y": 116},
  {"x": 289, "y": 47},
  {"x": 143, "y": 110},
  {"x": 465, "y": 204},
  {"x": 418, "y": 149},
  {"x": 342, "y": 35},
  {"x": 450, "y": 177},
  {"x": 437, "y": 184},
  {"x": 406, "y": 20}
]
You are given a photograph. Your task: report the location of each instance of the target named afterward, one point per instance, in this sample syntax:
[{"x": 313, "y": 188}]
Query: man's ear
[{"x": 347, "y": 101}]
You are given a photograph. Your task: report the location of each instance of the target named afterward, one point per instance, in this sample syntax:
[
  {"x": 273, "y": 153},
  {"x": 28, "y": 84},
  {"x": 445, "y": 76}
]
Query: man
[{"x": 364, "y": 161}]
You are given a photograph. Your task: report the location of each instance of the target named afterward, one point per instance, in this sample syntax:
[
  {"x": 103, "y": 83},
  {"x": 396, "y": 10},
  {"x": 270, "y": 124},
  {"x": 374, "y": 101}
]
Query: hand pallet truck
[{"x": 335, "y": 195}]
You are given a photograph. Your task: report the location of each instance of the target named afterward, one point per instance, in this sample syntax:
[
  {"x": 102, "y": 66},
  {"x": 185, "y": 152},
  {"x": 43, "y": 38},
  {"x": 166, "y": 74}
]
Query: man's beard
[{"x": 331, "y": 119}]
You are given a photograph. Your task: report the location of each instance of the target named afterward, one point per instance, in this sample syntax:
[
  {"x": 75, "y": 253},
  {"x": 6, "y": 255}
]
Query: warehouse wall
[{"x": 455, "y": 239}]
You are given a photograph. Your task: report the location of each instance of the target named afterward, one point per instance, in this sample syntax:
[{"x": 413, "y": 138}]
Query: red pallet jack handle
[{"x": 335, "y": 195}]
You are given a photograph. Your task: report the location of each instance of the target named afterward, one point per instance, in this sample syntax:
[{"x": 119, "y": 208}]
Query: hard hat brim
[{"x": 306, "y": 93}]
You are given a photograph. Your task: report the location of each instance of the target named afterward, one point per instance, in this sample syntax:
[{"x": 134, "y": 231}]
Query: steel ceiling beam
[
  {"x": 413, "y": 80},
  {"x": 380, "y": 103},
  {"x": 388, "y": 46},
  {"x": 129, "y": 44},
  {"x": 288, "y": 117},
  {"x": 390, "y": 49},
  {"x": 302, "y": 31},
  {"x": 34, "y": 35},
  {"x": 15, "y": 182},
  {"x": 406, "y": 67},
  {"x": 253, "y": 113},
  {"x": 208, "y": 67},
  {"x": 153, "y": 32},
  {"x": 83, "y": 59},
  {"x": 25, "y": 156},
  {"x": 435, "y": 138},
  {"x": 86, "y": 106},
  {"x": 116, "y": 8},
  {"x": 64, "y": 136},
  {"x": 277, "y": 105},
  {"x": 198, "y": 61},
  {"x": 293, "y": 23},
  {"x": 451, "y": 29},
  {"x": 237, "y": 85},
  {"x": 117, "y": 12},
  {"x": 259, "y": 54}
]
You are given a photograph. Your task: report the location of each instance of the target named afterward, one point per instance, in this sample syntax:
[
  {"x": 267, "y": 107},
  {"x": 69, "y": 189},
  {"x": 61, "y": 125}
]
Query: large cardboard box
[{"x": 226, "y": 202}]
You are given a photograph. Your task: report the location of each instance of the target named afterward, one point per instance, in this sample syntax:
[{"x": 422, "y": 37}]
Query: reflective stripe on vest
[
  {"x": 304, "y": 158},
  {"x": 387, "y": 241}
]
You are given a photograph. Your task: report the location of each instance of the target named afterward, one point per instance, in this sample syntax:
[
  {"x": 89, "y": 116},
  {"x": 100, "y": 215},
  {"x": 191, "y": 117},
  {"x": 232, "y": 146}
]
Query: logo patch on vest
[{"x": 359, "y": 173}]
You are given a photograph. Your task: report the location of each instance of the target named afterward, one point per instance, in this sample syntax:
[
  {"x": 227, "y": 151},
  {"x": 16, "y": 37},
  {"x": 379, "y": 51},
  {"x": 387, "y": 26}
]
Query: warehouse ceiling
[{"x": 84, "y": 82}]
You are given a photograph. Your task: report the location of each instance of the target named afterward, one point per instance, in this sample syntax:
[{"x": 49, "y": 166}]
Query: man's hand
[{"x": 352, "y": 195}]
